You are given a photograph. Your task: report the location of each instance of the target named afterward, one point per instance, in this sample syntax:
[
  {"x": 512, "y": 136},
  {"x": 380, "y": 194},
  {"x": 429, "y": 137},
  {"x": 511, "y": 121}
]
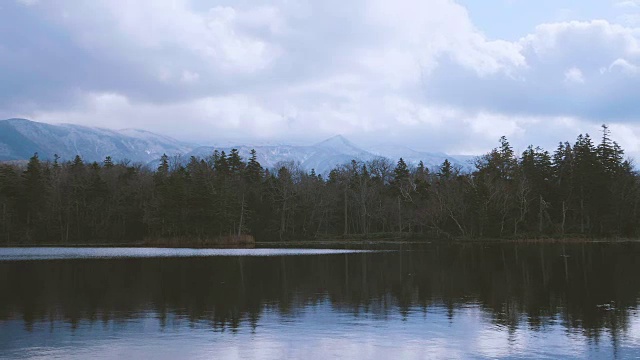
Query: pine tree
[
  {"x": 236, "y": 165},
  {"x": 254, "y": 170},
  {"x": 401, "y": 172},
  {"x": 10, "y": 197},
  {"x": 562, "y": 183},
  {"x": 587, "y": 180},
  {"x": 535, "y": 182},
  {"x": 446, "y": 170},
  {"x": 421, "y": 171},
  {"x": 77, "y": 163},
  {"x": 606, "y": 153},
  {"x": 221, "y": 163},
  {"x": 34, "y": 195},
  {"x": 163, "y": 168}
]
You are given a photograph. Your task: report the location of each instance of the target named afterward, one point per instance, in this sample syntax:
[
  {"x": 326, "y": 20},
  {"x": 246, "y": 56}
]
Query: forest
[{"x": 585, "y": 189}]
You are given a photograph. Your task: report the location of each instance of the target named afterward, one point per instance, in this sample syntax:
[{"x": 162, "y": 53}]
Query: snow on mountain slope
[
  {"x": 339, "y": 145},
  {"x": 335, "y": 151},
  {"x": 430, "y": 159},
  {"x": 20, "y": 138},
  {"x": 309, "y": 157}
]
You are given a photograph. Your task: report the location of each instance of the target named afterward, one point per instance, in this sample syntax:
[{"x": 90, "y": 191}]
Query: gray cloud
[
  {"x": 414, "y": 72},
  {"x": 601, "y": 56}
]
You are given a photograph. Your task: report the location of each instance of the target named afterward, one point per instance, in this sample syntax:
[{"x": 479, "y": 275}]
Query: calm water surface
[{"x": 436, "y": 301}]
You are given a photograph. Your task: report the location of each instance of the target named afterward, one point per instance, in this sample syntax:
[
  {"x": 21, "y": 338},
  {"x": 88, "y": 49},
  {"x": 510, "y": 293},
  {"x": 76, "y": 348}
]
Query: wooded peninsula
[{"x": 582, "y": 190}]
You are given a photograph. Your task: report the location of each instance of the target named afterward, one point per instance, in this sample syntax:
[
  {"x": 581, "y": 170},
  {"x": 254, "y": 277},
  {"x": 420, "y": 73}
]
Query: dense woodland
[{"x": 584, "y": 189}]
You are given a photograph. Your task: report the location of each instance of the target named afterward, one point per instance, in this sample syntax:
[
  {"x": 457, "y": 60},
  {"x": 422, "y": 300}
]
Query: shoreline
[{"x": 328, "y": 243}]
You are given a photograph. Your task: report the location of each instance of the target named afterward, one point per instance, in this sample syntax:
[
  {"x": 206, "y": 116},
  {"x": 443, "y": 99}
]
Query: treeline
[{"x": 581, "y": 189}]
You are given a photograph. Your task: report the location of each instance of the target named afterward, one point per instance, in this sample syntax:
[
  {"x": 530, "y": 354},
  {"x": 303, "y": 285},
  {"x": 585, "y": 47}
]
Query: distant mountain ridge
[
  {"x": 21, "y": 138},
  {"x": 327, "y": 154}
]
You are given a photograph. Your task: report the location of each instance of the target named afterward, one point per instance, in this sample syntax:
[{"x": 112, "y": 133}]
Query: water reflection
[{"x": 490, "y": 300}]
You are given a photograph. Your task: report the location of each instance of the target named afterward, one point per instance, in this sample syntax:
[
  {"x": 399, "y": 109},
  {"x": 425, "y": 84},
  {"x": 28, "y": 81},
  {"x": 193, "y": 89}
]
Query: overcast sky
[{"x": 437, "y": 75}]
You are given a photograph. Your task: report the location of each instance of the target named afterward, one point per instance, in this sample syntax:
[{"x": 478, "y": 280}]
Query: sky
[{"x": 434, "y": 75}]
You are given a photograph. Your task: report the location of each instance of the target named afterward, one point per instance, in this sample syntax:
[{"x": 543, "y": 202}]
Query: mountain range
[{"x": 21, "y": 138}]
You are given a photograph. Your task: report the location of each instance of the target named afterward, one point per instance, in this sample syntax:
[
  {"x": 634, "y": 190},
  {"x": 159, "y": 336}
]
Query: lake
[{"x": 450, "y": 301}]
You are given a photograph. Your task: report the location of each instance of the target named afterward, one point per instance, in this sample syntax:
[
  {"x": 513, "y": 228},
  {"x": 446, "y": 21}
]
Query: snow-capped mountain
[
  {"x": 20, "y": 139},
  {"x": 340, "y": 145},
  {"x": 322, "y": 157},
  {"x": 430, "y": 159},
  {"x": 327, "y": 154}
]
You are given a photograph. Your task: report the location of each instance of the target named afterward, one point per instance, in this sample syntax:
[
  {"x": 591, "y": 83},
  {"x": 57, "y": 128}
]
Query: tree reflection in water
[{"x": 588, "y": 288}]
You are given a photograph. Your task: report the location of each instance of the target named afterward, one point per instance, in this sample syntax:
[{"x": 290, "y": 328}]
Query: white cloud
[
  {"x": 28, "y": 2},
  {"x": 415, "y": 70},
  {"x": 206, "y": 117},
  {"x": 189, "y": 77},
  {"x": 424, "y": 31},
  {"x": 624, "y": 66},
  {"x": 628, "y": 3},
  {"x": 574, "y": 75},
  {"x": 214, "y": 39}
]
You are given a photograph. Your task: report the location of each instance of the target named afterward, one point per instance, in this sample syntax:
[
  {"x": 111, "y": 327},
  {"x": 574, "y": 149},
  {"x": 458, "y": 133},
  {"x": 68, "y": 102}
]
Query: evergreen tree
[
  {"x": 580, "y": 188},
  {"x": 401, "y": 172},
  {"x": 163, "y": 168},
  {"x": 534, "y": 190},
  {"x": 34, "y": 195},
  {"x": 10, "y": 197},
  {"x": 587, "y": 181},
  {"x": 235, "y": 163},
  {"x": 446, "y": 170},
  {"x": 221, "y": 163},
  {"x": 254, "y": 169},
  {"x": 77, "y": 164},
  {"x": 607, "y": 153}
]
